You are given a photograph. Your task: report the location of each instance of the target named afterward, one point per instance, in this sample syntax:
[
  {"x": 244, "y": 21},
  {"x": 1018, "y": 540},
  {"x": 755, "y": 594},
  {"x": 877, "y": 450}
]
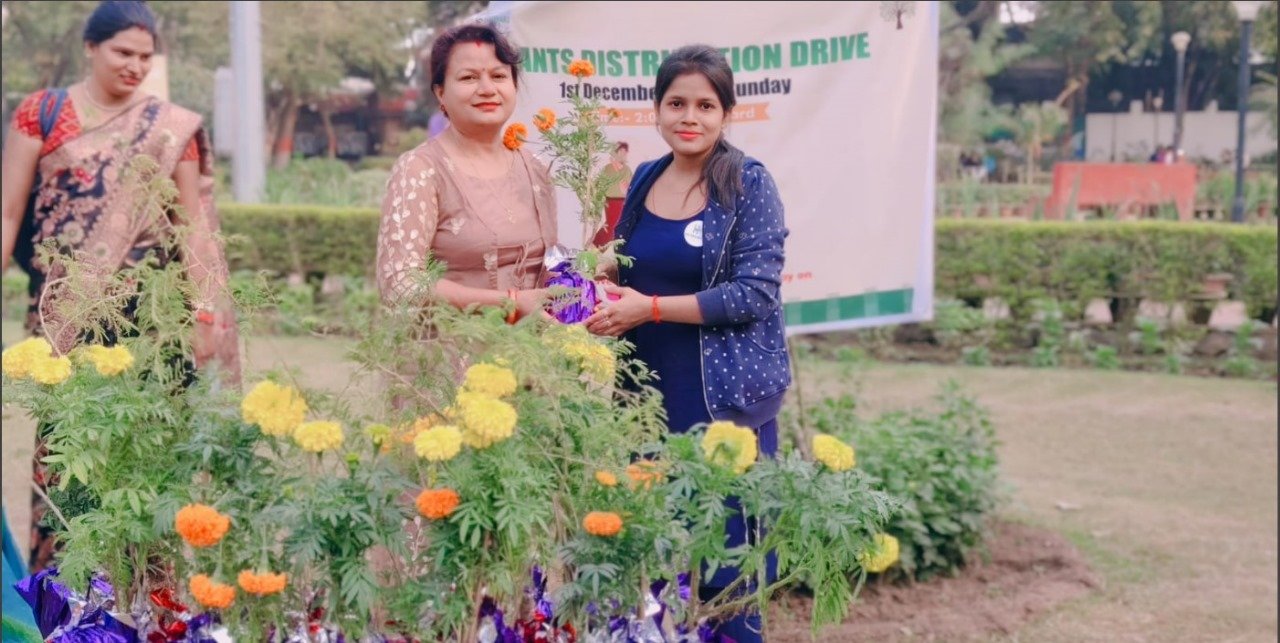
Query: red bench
[{"x": 1122, "y": 185}]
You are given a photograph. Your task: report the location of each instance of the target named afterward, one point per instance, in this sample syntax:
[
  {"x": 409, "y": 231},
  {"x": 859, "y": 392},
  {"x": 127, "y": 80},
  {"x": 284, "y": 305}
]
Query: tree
[
  {"x": 42, "y": 44},
  {"x": 892, "y": 11},
  {"x": 1034, "y": 125},
  {"x": 1085, "y": 35},
  {"x": 965, "y": 63},
  {"x": 309, "y": 47}
]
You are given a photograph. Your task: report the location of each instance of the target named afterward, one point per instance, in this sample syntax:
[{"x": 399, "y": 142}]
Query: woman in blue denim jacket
[{"x": 704, "y": 227}]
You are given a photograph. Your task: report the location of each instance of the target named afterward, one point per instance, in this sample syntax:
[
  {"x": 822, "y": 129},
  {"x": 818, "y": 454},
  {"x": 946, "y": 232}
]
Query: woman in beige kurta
[{"x": 464, "y": 198}]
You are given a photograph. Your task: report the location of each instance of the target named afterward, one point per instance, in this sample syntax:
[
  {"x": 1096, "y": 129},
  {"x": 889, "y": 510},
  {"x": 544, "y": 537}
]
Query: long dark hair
[
  {"x": 722, "y": 169},
  {"x": 113, "y": 16},
  {"x": 442, "y": 49}
]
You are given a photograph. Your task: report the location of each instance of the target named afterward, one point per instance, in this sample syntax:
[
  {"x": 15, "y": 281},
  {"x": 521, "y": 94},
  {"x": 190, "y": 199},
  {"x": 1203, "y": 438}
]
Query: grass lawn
[{"x": 1167, "y": 484}]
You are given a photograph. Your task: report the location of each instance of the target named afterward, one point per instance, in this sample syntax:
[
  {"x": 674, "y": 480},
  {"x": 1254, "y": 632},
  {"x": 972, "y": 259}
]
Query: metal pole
[
  {"x": 1179, "y": 101},
  {"x": 1114, "y": 118},
  {"x": 1242, "y": 109},
  {"x": 248, "y": 160}
]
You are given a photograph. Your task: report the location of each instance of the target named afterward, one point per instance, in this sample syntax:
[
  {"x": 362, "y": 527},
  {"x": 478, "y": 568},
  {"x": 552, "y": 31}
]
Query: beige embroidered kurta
[{"x": 489, "y": 233}]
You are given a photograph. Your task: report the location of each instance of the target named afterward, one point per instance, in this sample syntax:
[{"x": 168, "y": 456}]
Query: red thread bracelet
[
  {"x": 515, "y": 312},
  {"x": 657, "y": 314}
]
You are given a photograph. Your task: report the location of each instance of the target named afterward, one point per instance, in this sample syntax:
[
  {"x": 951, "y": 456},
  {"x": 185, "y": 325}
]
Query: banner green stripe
[{"x": 873, "y": 304}]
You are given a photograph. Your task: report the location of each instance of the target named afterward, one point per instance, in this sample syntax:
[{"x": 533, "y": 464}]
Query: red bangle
[
  {"x": 515, "y": 312},
  {"x": 657, "y": 314}
]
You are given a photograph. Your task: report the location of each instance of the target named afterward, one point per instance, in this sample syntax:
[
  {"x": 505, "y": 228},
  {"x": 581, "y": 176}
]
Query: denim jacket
[{"x": 745, "y": 366}]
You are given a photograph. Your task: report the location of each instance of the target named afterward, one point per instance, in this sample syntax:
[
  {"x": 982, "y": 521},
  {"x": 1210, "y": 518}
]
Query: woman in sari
[{"x": 64, "y": 181}]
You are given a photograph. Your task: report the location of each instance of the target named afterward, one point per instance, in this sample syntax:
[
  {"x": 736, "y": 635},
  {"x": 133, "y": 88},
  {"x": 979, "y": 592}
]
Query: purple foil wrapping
[
  {"x": 64, "y": 616},
  {"x": 577, "y": 305}
]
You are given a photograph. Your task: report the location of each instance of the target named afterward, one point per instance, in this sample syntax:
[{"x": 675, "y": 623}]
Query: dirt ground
[
  {"x": 1030, "y": 570},
  {"x": 1164, "y": 487}
]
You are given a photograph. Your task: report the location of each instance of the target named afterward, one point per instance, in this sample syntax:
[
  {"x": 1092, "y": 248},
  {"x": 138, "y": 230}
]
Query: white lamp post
[{"x": 1180, "y": 41}]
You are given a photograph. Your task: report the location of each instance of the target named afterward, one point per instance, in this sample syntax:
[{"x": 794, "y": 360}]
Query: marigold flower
[
  {"x": 491, "y": 380},
  {"x": 582, "y": 68},
  {"x": 604, "y": 524},
  {"x": 211, "y": 593},
  {"x": 18, "y": 359},
  {"x": 201, "y": 525},
  {"x": 437, "y": 503},
  {"x": 882, "y": 555},
  {"x": 318, "y": 436},
  {"x": 545, "y": 119},
  {"x": 515, "y": 135},
  {"x": 607, "y": 479},
  {"x": 51, "y": 370},
  {"x": 486, "y": 421},
  {"x": 730, "y": 445},
  {"x": 277, "y": 410},
  {"x": 644, "y": 473},
  {"x": 109, "y": 361},
  {"x": 833, "y": 453},
  {"x": 595, "y": 359},
  {"x": 440, "y": 444},
  {"x": 263, "y": 584}
]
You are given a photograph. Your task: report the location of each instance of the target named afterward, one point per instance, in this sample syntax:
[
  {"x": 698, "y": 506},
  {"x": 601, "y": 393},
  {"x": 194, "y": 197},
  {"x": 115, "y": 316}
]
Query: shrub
[
  {"x": 1075, "y": 262},
  {"x": 942, "y": 466}
]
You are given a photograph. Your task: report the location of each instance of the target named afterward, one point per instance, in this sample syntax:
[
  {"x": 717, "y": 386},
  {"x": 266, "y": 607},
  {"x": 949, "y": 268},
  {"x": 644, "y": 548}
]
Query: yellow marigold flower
[
  {"x": 201, "y": 525},
  {"x": 730, "y": 445},
  {"x": 833, "y": 453},
  {"x": 263, "y": 584},
  {"x": 18, "y": 359},
  {"x": 440, "y": 444},
  {"x": 595, "y": 359},
  {"x": 436, "y": 504},
  {"x": 882, "y": 556},
  {"x": 491, "y": 380},
  {"x": 318, "y": 436},
  {"x": 607, "y": 479},
  {"x": 211, "y": 593},
  {"x": 277, "y": 410},
  {"x": 604, "y": 524},
  {"x": 644, "y": 473},
  {"x": 515, "y": 135},
  {"x": 110, "y": 361},
  {"x": 545, "y": 119},
  {"x": 582, "y": 69},
  {"x": 51, "y": 370},
  {"x": 486, "y": 421}
]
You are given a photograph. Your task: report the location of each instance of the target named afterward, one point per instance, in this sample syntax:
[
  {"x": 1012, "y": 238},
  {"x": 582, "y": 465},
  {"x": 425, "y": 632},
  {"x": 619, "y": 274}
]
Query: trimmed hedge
[
  {"x": 300, "y": 238},
  {"x": 1018, "y": 261},
  {"x": 1074, "y": 262}
]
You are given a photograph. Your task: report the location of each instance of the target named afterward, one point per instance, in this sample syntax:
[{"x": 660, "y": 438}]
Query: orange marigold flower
[
  {"x": 437, "y": 503},
  {"x": 211, "y": 593},
  {"x": 545, "y": 119},
  {"x": 644, "y": 473},
  {"x": 201, "y": 525},
  {"x": 582, "y": 69},
  {"x": 605, "y": 524},
  {"x": 515, "y": 136},
  {"x": 262, "y": 584},
  {"x": 607, "y": 479}
]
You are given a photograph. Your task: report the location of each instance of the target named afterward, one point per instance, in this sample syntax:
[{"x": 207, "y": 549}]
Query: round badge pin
[{"x": 693, "y": 233}]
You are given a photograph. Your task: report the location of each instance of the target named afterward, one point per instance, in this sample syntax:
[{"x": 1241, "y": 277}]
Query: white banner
[{"x": 837, "y": 99}]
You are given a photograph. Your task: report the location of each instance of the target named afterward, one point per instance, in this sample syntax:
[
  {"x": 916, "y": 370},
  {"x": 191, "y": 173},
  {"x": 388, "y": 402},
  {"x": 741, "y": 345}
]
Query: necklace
[{"x": 84, "y": 90}]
